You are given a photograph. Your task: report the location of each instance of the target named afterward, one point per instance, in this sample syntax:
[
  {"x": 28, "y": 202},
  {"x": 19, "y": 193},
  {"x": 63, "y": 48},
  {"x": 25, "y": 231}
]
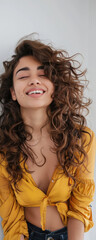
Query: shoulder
[
  {"x": 88, "y": 141},
  {"x": 89, "y": 131},
  {"x": 3, "y": 166},
  {"x": 88, "y": 138}
]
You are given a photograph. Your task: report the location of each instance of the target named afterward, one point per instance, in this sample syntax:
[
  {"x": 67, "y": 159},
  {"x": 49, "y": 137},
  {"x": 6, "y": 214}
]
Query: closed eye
[
  {"x": 23, "y": 77},
  {"x": 42, "y": 75}
]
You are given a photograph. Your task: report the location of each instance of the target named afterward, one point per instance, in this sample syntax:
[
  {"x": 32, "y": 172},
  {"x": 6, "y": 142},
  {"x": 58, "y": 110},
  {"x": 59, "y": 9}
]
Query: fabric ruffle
[
  {"x": 63, "y": 209},
  {"x": 79, "y": 202},
  {"x": 86, "y": 187}
]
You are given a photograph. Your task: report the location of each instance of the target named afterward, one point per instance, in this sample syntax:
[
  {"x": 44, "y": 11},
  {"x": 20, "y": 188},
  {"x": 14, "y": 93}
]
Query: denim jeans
[{"x": 36, "y": 233}]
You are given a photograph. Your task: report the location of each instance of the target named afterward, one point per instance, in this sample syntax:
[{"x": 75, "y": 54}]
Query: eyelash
[
  {"x": 24, "y": 77},
  {"x": 28, "y": 76},
  {"x": 43, "y": 75}
]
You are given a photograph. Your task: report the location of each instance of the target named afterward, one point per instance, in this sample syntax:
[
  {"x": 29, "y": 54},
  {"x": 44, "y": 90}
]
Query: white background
[{"x": 68, "y": 24}]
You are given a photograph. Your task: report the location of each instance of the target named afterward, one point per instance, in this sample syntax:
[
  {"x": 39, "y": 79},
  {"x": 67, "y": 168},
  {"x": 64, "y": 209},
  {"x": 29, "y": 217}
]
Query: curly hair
[{"x": 66, "y": 118}]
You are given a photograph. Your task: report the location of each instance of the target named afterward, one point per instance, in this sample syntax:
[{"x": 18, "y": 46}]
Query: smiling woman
[
  {"x": 31, "y": 88},
  {"x": 47, "y": 152}
]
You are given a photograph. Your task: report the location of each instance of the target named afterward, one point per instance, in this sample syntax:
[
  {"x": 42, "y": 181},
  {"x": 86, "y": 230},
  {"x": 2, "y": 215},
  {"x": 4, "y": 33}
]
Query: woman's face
[{"x": 31, "y": 88}]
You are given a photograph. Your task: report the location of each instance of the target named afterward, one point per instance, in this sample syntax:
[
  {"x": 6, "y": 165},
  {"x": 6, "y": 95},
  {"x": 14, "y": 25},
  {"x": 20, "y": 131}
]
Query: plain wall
[{"x": 68, "y": 24}]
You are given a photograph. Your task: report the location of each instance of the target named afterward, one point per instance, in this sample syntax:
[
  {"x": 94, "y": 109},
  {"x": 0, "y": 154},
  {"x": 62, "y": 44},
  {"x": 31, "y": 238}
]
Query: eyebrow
[{"x": 27, "y": 69}]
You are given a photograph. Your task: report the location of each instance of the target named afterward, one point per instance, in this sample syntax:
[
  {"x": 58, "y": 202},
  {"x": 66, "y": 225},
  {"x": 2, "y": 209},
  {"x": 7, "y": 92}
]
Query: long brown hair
[{"x": 66, "y": 118}]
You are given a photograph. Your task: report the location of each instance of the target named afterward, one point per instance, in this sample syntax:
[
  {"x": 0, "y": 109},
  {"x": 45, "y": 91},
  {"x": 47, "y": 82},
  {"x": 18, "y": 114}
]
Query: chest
[{"x": 46, "y": 163}]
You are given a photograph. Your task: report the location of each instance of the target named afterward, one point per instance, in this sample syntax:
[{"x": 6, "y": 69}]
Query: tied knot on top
[{"x": 46, "y": 201}]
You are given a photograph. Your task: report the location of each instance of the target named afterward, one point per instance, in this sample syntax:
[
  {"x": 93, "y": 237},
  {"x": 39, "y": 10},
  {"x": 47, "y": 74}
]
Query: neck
[{"x": 36, "y": 120}]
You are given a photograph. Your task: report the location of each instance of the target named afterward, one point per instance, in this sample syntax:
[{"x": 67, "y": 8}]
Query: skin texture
[
  {"x": 22, "y": 237},
  {"x": 75, "y": 229},
  {"x": 25, "y": 80}
]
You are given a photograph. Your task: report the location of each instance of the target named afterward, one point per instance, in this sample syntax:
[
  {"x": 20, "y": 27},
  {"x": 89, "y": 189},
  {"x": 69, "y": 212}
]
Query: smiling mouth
[{"x": 35, "y": 93}]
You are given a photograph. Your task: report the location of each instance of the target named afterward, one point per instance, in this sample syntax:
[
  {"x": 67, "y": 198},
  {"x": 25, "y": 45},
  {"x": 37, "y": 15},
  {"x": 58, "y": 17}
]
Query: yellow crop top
[{"x": 71, "y": 201}]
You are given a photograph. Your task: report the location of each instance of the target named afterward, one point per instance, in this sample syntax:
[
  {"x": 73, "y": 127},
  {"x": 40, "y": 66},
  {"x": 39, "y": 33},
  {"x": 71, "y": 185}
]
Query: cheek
[
  {"x": 51, "y": 87},
  {"x": 18, "y": 87},
  {"x": 51, "y": 92},
  {"x": 17, "y": 93},
  {"x": 13, "y": 95}
]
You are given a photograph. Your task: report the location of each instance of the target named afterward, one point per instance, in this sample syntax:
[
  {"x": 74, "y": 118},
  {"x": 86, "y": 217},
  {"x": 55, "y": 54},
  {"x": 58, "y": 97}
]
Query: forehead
[{"x": 27, "y": 61}]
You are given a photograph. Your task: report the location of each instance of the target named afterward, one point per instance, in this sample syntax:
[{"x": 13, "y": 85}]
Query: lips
[{"x": 35, "y": 91}]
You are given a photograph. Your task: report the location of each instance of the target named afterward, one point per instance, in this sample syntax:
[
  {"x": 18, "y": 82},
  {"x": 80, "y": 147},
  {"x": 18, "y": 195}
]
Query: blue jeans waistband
[{"x": 37, "y": 233}]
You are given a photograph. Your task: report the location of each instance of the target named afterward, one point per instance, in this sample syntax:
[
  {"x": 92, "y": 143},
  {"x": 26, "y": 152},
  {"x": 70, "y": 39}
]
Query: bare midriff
[{"x": 53, "y": 219}]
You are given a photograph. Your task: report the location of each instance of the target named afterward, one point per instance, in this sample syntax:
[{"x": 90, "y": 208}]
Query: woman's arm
[
  {"x": 13, "y": 219},
  {"x": 79, "y": 203},
  {"x": 75, "y": 229},
  {"x": 22, "y": 237}
]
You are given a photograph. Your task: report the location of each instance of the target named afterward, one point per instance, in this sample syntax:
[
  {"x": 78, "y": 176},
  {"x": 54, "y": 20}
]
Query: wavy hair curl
[{"x": 66, "y": 110}]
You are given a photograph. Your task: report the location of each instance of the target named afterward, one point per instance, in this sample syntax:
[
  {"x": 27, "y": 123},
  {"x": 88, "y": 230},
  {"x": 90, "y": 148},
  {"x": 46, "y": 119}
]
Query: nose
[{"x": 34, "y": 81}]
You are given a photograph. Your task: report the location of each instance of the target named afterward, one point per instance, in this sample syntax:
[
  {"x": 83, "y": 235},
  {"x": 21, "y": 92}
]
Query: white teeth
[{"x": 35, "y": 91}]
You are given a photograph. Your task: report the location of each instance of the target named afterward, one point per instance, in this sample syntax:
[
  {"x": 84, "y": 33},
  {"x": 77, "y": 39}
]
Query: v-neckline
[{"x": 52, "y": 178}]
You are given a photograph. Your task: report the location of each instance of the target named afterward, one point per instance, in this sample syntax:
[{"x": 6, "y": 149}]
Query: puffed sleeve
[
  {"x": 83, "y": 192},
  {"x": 11, "y": 212}
]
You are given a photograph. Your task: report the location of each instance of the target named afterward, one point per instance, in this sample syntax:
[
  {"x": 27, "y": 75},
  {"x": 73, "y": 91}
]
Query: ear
[{"x": 13, "y": 95}]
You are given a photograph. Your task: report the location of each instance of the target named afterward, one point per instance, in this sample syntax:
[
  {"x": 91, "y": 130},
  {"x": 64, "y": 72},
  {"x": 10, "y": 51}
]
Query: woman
[{"x": 46, "y": 151}]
